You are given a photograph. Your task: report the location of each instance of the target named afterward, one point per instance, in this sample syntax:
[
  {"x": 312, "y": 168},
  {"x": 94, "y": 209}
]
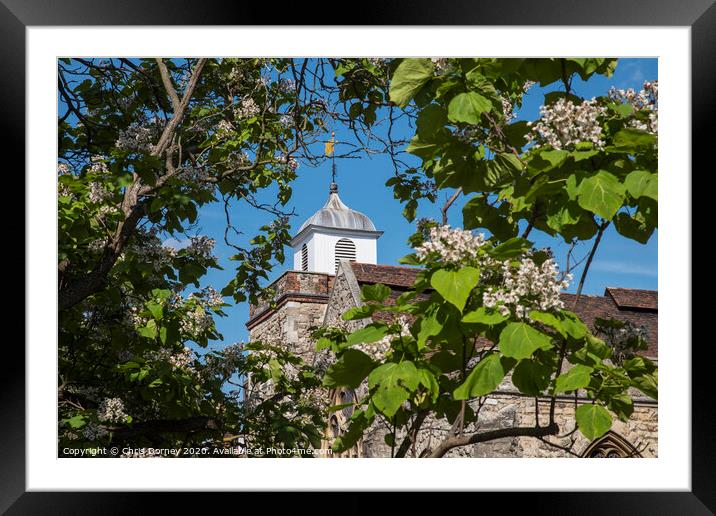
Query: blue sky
[{"x": 618, "y": 262}]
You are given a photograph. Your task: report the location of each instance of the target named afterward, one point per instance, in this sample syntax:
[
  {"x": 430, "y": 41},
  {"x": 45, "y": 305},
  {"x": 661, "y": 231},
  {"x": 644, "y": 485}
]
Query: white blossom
[
  {"x": 247, "y": 108},
  {"x": 441, "y": 64},
  {"x": 526, "y": 287},
  {"x": 201, "y": 247},
  {"x": 92, "y": 431},
  {"x": 291, "y": 162},
  {"x": 224, "y": 129},
  {"x": 455, "y": 246},
  {"x": 378, "y": 350},
  {"x": 564, "y": 124},
  {"x": 98, "y": 193},
  {"x": 112, "y": 410},
  {"x": 182, "y": 360},
  {"x": 196, "y": 322},
  {"x": 208, "y": 297},
  {"x": 139, "y": 137},
  {"x": 507, "y": 109},
  {"x": 646, "y": 100}
]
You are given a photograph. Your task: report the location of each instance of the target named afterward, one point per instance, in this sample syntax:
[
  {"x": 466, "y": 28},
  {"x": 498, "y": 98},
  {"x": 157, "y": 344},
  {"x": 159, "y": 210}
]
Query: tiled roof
[
  {"x": 640, "y": 307},
  {"x": 390, "y": 275},
  {"x": 633, "y": 298}
]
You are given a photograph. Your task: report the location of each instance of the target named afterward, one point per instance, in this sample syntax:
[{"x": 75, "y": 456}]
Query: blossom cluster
[
  {"x": 564, "y": 124},
  {"x": 379, "y": 349},
  {"x": 196, "y": 322},
  {"x": 148, "y": 248},
  {"x": 63, "y": 190},
  {"x": 139, "y": 137},
  {"x": 224, "y": 129},
  {"x": 98, "y": 192},
  {"x": 209, "y": 297},
  {"x": 507, "y": 109},
  {"x": 92, "y": 431},
  {"x": 286, "y": 85},
  {"x": 441, "y": 65},
  {"x": 112, "y": 410},
  {"x": 527, "y": 287},
  {"x": 454, "y": 246},
  {"x": 201, "y": 247},
  {"x": 247, "y": 108},
  {"x": 291, "y": 162},
  {"x": 183, "y": 359},
  {"x": 646, "y": 100}
]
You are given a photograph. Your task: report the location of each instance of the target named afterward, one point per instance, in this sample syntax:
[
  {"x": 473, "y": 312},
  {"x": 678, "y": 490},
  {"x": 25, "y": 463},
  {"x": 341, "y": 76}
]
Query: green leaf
[
  {"x": 484, "y": 316},
  {"x": 602, "y": 194},
  {"x": 636, "y": 227},
  {"x": 632, "y": 139},
  {"x": 359, "y": 312},
  {"x": 428, "y": 380},
  {"x": 359, "y": 422},
  {"x": 429, "y": 326},
  {"x": 519, "y": 340},
  {"x": 641, "y": 183},
  {"x": 77, "y": 421},
  {"x": 594, "y": 421},
  {"x": 577, "y": 377},
  {"x": 349, "y": 370},
  {"x": 483, "y": 379},
  {"x": 156, "y": 310},
  {"x": 531, "y": 377},
  {"x": 377, "y": 292},
  {"x": 149, "y": 331},
  {"x": 548, "y": 319},
  {"x": 647, "y": 384},
  {"x": 511, "y": 248},
  {"x": 555, "y": 157},
  {"x": 394, "y": 384},
  {"x": 467, "y": 107},
  {"x": 410, "y": 76},
  {"x": 455, "y": 286},
  {"x": 371, "y": 333},
  {"x": 430, "y": 120},
  {"x": 573, "y": 325},
  {"x": 622, "y": 405}
]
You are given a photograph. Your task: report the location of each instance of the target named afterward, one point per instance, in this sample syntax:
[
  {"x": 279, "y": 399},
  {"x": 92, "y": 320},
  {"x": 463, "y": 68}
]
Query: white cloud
[
  {"x": 625, "y": 268},
  {"x": 175, "y": 243}
]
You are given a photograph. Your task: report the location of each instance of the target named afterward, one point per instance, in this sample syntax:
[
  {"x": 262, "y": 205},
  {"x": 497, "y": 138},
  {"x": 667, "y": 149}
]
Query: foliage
[
  {"x": 143, "y": 145},
  {"x": 485, "y": 308}
]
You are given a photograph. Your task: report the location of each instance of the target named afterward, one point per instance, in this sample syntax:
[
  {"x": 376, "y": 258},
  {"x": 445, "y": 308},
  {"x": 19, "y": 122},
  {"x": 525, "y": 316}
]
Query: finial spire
[{"x": 333, "y": 166}]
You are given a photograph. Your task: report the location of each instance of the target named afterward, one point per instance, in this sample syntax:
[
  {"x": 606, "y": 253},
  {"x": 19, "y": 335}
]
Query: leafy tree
[
  {"x": 143, "y": 145},
  {"x": 485, "y": 307}
]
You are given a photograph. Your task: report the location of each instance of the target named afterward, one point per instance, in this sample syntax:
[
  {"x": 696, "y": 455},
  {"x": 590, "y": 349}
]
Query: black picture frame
[{"x": 699, "y": 15}]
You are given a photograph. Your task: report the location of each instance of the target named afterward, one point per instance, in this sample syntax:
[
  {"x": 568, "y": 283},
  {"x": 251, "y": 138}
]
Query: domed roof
[{"x": 335, "y": 214}]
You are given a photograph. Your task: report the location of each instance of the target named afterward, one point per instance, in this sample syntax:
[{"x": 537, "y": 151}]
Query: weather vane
[{"x": 330, "y": 151}]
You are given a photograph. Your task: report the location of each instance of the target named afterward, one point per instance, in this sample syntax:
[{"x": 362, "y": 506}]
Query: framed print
[{"x": 431, "y": 234}]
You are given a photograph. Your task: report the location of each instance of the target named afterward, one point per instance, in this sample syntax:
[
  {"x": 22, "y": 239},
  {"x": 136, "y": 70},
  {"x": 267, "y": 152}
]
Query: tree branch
[
  {"x": 90, "y": 283},
  {"x": 167, "y": 81},
  {"x": 481, "y": 437},
  {"x": 449, "y": 203},
  {"x": 589, "y": 261}
]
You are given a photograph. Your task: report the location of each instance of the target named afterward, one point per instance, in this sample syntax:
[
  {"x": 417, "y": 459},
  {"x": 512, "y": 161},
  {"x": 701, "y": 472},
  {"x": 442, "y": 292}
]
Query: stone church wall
[{"x": 293, "y": 320}]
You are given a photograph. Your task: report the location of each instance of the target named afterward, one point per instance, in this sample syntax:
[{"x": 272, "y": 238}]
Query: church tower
[
  {"x": 300, "y": 296},
  {"x": 334, "y": 233}
]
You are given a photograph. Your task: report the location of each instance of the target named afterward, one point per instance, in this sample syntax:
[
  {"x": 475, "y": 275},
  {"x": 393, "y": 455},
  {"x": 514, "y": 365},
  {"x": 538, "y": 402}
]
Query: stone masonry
[{"x": 304, "y": 301}]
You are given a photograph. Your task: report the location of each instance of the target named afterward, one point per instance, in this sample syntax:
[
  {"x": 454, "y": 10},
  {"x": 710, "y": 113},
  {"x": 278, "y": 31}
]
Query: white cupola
[{"x": 334, "y": 233}]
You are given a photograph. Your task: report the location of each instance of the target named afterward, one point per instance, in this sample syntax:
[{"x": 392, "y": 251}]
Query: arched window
[
  {"x": 611, "y": 446},
  {"x": 345, "y": 250},
  {"x": 304, "y": 258}
]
